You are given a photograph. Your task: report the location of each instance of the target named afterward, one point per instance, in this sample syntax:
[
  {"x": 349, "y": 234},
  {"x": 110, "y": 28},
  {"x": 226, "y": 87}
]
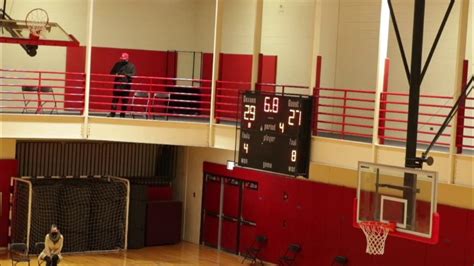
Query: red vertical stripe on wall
[
  {"x": 267, "y": 72},
  {"x": 75, "y": 62},
  {"x": 234, "y": 68},
  {"x": 171, "y": 66}
]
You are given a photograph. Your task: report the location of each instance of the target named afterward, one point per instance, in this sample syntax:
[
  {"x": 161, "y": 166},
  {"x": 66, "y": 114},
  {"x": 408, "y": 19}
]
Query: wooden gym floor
[{"x": 181, "y": 254}]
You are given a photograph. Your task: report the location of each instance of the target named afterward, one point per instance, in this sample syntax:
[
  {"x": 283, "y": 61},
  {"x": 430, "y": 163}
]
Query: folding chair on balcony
[
  {"x": 163, "y": 99},
  {"x": 37, "y": 91},
  {"x": 253, "y": 251},
  {"x": 140, "y": 96},
  {"x": 19, "y": 253},
  {"x": 290, "y": 255}
]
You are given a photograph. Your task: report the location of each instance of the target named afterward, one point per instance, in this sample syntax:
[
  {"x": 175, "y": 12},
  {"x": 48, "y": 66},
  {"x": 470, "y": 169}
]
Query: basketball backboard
[
  {"x": 384, "y": 195},
  {"x": 17, "y": 31}
]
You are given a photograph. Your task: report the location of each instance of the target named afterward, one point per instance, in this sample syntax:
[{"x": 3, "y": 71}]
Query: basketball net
[
  {"x": 36, "y": 21},
  {"x": 376, "y": 233}
]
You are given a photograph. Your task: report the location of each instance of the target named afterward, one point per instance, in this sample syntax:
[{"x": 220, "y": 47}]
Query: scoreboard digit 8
[{"x": 275, "y": 132}]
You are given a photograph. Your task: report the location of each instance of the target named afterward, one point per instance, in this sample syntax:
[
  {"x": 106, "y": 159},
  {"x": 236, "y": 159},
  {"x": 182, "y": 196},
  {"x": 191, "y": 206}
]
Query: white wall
[
  {"x": 204, "y": 23},
  {"x": 238, "y": 23},
  {"x": 357, "y": 44},
  {"x": 329, "y": 38},
  {"x": 349, "y": 47},
  {"x": 150, "y": 25},
  {"x": 441, "y": 75},
  {"x": 287, "y": 31}
]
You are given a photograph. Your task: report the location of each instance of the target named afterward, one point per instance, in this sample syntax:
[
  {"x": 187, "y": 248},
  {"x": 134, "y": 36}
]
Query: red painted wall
[
  {"x": 8, "y": 169},
  {"x": 319, "y": 217},
  {"x": 267, "y": 72}
]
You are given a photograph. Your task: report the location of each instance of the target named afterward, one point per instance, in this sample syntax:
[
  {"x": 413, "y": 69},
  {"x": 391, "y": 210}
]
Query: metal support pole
[{"x": 413, "y": 108}]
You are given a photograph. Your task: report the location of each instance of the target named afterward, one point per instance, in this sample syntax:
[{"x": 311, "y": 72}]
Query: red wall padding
[
  {"x": 319, "y": 217},
  {"x": 469, "y": 249},
  {"x": 231, "y": 204},
  {"x": 156, "y": 193},
  {"x": 163, "y": 224},
  {"x": 9, "y": 169}
]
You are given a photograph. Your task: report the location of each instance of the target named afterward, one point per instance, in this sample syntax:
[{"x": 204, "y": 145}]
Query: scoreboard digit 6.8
[{"x": 275, "y": 132}]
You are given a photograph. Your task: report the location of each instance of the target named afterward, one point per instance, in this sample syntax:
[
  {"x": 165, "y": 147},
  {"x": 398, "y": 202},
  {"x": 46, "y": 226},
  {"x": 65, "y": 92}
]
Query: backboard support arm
[
  {"x": 4, "y": 9},
  {"x": 465, "y": 93},
  {"x": 438, "y": 36}
]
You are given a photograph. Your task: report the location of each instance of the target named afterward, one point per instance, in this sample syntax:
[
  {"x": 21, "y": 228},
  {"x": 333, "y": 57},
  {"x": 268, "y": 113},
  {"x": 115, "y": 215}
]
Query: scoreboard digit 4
[{"x": 275, "y": 132}]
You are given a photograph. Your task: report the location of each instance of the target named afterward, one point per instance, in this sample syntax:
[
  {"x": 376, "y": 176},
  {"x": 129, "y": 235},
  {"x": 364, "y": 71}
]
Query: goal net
[{"x": 91, "y": 213}]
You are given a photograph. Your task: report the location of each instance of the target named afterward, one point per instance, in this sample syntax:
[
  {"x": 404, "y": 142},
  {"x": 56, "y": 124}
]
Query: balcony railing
[
  {"x": 41, "y": 92},
  {"x": 343, "y": 113},
  {"x": 337, "y": 113},
  {"x": 150, "y": 97}
]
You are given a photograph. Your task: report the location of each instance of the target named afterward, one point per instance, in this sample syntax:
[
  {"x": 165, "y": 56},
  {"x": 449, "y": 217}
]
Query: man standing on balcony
[{"x": 124, "y": 71}]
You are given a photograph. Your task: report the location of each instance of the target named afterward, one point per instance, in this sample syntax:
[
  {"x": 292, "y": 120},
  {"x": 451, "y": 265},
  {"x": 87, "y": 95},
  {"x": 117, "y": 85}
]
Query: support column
[
  {"x": 215, "y": 64},
  {"x": 257, "y": 42},
  {"x": 87, "y": 87},
  {"x": 318, "y": 6},
  {"x": 381, "y": 69},
  {"x": 458, "y": 86},
  {"x": 410, "y": 180}
]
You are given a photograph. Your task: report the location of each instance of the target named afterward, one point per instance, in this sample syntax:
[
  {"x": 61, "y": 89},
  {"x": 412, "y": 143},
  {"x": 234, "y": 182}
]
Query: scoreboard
[{"x": 275, "y": 132}]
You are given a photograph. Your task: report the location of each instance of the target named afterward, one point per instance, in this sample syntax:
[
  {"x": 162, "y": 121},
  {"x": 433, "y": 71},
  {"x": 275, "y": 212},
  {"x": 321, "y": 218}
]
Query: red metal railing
[
  {"x": 432, "y": 112},
  {"x": 227, "y": 99},
  {"x": 339, "y": 113},
  {"x": 465, "y": 121},
  {"x": 467, "y": 134},
  {"x": 150, "y": 97},
  {"x": 41, "y": 92},
  {"x": 343, "y": 112}
]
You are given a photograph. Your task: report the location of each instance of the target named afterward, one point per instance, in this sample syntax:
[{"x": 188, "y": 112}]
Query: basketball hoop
[
  {"x": 36, "y": 21},
  {"x": 376, "y": 233}
]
